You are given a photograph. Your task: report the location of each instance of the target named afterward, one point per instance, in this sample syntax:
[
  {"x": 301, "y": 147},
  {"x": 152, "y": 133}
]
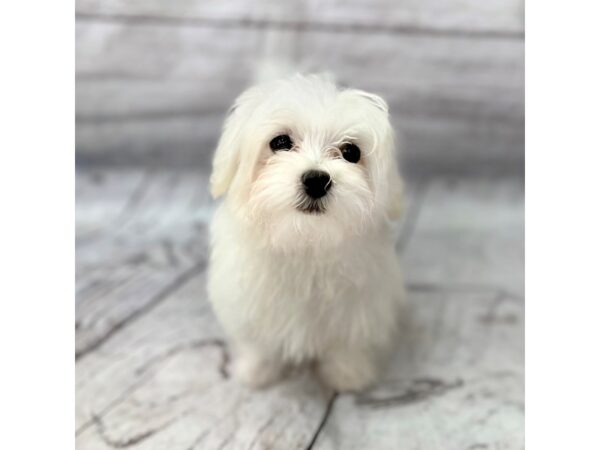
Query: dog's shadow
[{"x": 409, "y": 376}]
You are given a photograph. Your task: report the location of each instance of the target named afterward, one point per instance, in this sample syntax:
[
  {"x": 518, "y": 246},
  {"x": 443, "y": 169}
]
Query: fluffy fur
[{"x": 291, "y": 287}]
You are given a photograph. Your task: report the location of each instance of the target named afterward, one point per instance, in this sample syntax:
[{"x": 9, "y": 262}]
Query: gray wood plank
[
  {"x": 491, "y": 15},
  {"x": 137, "y": 256},
  {"x": 163, "y": 205},
  {"x": 173, "y": 142},
  {"x": 110, "y": 372},
  {"x": 102, "y": 198},
  {"x": 469, "y": 235},
  {"x": 108, "y": 99},
  {"x": 419, "y": 63}
]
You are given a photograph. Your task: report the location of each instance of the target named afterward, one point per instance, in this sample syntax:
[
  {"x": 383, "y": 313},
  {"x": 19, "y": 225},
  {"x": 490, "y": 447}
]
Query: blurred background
[{"x": 155, "y": 78}]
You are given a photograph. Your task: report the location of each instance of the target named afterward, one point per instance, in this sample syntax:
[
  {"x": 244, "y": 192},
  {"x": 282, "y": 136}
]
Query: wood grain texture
[
  {"x": 130, "y": 257},
  {"x": 469, "y": 236},
  {"x": 161, "y": 379},
  {"x": 155, "y": 95},
  {"x": 492, "y": 15}
]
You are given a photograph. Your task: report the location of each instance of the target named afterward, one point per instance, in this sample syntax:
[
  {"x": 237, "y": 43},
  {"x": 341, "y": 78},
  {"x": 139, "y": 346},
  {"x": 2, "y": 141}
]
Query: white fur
[{"x": 292, "y": 287}]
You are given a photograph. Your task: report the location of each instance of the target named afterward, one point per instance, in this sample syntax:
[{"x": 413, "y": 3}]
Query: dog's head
[{"x": 306, "y": 163}]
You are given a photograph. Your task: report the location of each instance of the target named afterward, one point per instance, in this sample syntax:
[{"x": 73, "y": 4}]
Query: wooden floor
[{"x": 152, "y": 367}]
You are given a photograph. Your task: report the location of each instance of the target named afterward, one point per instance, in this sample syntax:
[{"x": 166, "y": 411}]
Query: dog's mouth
[{"x": 310, "y": 206}]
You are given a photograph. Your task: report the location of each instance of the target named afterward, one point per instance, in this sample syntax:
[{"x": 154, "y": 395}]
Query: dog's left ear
[
  {"x": 375, "y": 100},
  {"x": 227, "y": 158},
  {"x": 227, "y": 155},
  {"x": 395, "y": 187},
  {"x": 395, "y": 201}
]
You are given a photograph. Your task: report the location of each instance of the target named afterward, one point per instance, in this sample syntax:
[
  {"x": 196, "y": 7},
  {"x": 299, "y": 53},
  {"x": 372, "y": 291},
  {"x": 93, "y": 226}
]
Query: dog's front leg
[
  {"x": 347, "y": 369},
  {"x": 255, "y": 366}
]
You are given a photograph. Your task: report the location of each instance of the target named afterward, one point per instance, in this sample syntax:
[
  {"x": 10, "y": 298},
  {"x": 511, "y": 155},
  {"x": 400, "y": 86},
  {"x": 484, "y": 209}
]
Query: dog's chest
[
  {"x": 303, "y": 280},
  {"x": 303, "y": 306}
]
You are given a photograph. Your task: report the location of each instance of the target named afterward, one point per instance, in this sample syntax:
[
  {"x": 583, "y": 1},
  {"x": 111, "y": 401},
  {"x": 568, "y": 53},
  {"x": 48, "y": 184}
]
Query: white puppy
[{"x": 302, "y": 264}]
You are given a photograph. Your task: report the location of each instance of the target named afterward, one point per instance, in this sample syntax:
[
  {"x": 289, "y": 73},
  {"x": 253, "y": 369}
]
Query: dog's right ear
[
  {"x": 227, "y": 155},
  {"x": 227, "y": 158}
]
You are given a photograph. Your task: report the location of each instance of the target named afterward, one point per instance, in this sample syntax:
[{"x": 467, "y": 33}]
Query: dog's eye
[
  {"x": 283, "y": 142},
  {"x": 350, "y": 153}
]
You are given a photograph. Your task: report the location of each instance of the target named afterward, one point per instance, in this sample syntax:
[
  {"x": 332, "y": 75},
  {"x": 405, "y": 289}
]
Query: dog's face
[{"x": 306, "y": 163}]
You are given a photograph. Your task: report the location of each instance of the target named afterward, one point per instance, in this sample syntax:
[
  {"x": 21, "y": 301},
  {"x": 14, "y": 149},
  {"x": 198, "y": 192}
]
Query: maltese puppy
[{"x": 302, "y": 262}]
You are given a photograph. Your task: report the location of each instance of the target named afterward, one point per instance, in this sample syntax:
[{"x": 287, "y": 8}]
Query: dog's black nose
[{"x": 316, "y": 183}]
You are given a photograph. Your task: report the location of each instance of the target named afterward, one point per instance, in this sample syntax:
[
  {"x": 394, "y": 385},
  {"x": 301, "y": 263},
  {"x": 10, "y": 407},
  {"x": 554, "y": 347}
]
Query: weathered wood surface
[
  {"x": 499, "y": 16},
  {"x": 138, "y": 235},
  {"x": 155, "y": 375},
  {"x": 154, "y": 79},
  {"x": 470, "y": 235}
]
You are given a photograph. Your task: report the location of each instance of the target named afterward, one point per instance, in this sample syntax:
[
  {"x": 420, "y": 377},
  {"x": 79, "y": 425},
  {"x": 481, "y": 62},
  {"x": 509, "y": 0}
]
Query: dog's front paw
[
  {"x": 354, "y": 372},
  {"x": 255, "y": 370}
]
